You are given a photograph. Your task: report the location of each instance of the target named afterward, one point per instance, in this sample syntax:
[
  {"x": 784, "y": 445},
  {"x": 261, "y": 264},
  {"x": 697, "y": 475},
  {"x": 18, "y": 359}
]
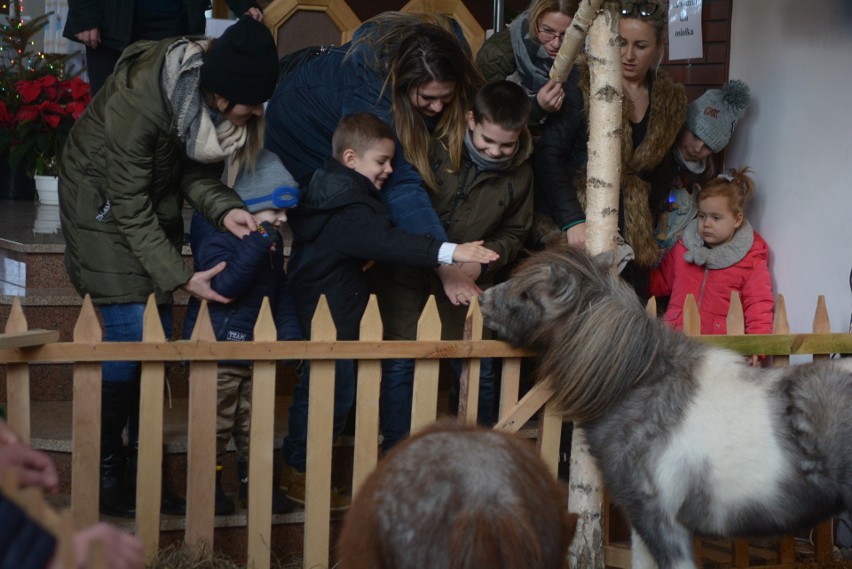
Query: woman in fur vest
[{"x": 654, "y": 110}]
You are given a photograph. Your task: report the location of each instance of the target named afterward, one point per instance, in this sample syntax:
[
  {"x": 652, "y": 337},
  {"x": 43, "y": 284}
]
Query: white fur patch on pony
[{"x": 726, "y": 446}]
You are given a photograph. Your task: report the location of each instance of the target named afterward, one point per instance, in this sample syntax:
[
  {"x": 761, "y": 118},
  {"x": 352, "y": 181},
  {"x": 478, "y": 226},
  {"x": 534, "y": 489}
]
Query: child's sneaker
[{"x": 293, "y": 483}]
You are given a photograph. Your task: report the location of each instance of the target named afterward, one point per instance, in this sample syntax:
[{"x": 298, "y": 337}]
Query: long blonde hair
[{"x": 415, "y": 49}]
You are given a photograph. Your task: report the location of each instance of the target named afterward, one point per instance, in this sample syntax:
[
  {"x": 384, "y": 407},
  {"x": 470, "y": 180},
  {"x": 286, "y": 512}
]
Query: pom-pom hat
[
  {"x": 713, "y": 115},
  {"x": 242, "y": 64}
]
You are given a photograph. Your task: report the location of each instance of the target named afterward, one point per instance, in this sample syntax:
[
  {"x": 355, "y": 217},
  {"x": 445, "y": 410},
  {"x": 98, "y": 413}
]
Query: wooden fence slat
[
  {"x": 65, "y": 549},
  {"x": 86, "y": 424},
  {"x": 550, "y": 435},
  {"x": 424, "y": 396},
  {"x": 28, "y": 338},
  {"x": 18, "y": 379},
  {"x": 691, "y": 317},
  {"x": 510, "y": 384},
  {"x": 261, "y": 445},
  {"x": 739, "y": 551},
  {"x": 786, "y": 550},
  {"x": 735, "y": 321},
  {"x": 201, "y": 441},
  {"x": 526, "y": 408},
  {"x": 469, "y": 379},
  {"x": 823, "y": 533},
  {"x": 780, "y": 325},
  {"x": 366, "y": 452},
  {"x": 320, "y": 431},
  {"x": 651, "y": 307},
  {"x": 187, "y": 350},
  {"x": 149, "y": 476}
]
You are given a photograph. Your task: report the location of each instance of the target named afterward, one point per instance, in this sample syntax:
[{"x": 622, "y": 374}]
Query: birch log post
[
  {"x": 585, "y": 494},
  {"x": 575, "y": 36}
]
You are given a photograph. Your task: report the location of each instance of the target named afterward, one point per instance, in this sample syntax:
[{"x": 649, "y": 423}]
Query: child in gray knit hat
[
  {"x": 710, "y": 122},
  {"x": 254, "y": 269}
]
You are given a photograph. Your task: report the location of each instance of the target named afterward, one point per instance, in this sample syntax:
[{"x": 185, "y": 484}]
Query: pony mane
[{"x": 599, "y": 339}]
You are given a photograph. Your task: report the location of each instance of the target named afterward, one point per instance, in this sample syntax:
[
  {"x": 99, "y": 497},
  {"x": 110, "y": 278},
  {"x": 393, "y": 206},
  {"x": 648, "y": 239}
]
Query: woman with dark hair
[
  {"x": 156, "y": 135},
  {"x": 654, "y": 110},
  {"x": 414, "y": 72},
  {"x": 524, "y": 51}
]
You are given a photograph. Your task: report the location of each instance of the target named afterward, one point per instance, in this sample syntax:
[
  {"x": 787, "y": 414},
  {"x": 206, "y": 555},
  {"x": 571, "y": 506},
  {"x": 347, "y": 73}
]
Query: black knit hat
[{"x": 242, "y": 64}]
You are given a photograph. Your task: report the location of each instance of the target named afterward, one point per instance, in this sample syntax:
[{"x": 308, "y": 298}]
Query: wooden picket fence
[{"x": 21, "y": 347}]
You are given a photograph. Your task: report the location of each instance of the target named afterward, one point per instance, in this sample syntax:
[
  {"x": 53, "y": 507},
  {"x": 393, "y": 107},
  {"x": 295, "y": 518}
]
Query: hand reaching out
[
  {"x": 474, "y": 252},
  {"x": 458, "y": 286},
  {"x": 199, "y": 284},
  {"x": 239, "y": 222},
  {"x": 34, "y": 467}
]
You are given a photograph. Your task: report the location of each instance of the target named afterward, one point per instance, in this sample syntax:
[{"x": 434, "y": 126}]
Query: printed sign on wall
[{"x": 685, "y": 40}]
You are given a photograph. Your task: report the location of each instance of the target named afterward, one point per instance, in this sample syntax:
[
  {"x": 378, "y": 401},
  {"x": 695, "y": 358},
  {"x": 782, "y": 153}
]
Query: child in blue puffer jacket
[{"x": 254, "y": 270}]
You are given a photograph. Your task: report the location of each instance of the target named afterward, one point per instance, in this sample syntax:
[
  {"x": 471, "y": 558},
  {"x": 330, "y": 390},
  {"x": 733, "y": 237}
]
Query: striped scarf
[{"x": 209, "y": 137}]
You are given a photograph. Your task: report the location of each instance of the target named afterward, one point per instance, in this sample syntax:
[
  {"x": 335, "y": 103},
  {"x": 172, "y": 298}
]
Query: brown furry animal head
[
  {"x": 594, "y": 336},
  {"x": 458, "y": 497}
]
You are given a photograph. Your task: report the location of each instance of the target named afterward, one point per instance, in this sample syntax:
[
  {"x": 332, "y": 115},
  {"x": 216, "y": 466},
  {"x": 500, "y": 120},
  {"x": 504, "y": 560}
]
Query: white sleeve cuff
[{"x": 446, "y": 252}]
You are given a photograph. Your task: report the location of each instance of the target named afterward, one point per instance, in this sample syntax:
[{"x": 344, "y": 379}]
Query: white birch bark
[
  {"x": 575, "y": 36},
  {"x": 585, "y": 494}
]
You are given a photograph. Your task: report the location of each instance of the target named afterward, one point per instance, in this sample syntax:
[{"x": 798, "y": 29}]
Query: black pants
[{"x": 100, "y": 62}]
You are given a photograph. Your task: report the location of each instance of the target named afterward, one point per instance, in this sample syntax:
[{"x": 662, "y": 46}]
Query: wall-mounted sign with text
[{"x": 685, "y": 30}]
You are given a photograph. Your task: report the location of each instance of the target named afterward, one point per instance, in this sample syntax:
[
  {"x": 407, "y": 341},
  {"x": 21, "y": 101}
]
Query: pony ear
[{"x": 561, "y": 284}]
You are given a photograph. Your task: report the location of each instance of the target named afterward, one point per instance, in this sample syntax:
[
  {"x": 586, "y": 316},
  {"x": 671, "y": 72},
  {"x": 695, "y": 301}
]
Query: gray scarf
[
  {"x": 208, "y": 138},
  {"x": 483, "y": 162},
  {"x": 721, "y": 256},
  {"x": 694, "y": 166},
  {"x": 531, "y": 59}
]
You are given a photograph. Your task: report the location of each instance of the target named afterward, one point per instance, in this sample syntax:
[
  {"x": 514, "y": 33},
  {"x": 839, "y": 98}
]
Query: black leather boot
[
  {"x": 281, "y": 504},
  {"x": 224, "y": 506},
  {"x": 170, "y": 503},
  {"x": 116, "y": 499}
]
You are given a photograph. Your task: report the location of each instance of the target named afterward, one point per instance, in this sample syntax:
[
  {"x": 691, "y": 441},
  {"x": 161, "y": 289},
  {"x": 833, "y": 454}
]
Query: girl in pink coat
[{"x": 719, "y": 252}]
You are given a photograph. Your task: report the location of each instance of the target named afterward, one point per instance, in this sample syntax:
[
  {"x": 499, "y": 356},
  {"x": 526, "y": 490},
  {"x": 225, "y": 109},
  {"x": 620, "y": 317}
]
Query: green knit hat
[{"x": 713, "y": 115}]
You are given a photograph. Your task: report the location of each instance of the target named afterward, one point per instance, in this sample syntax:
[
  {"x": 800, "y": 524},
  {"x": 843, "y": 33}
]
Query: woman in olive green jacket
[
  {"x": 523, "y": 53},
  {"x": 155, "y": 135}
]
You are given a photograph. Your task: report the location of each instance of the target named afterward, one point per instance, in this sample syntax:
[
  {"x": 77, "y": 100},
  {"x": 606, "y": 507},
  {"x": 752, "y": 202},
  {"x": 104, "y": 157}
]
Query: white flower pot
[{"x": 47, "y": 188}]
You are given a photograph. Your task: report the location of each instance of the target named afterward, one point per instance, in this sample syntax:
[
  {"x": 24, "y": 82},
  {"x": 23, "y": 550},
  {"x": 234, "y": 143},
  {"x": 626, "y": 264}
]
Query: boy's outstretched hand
[{"x": 474, "y": 252}]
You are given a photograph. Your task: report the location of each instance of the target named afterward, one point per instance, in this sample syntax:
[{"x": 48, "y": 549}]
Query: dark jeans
[
  {"x": 486, "y": 414},
  {"x": 123, "y": 323},
  {"x": 296, "y": 441},
  {"x": 396, "y": 391}
]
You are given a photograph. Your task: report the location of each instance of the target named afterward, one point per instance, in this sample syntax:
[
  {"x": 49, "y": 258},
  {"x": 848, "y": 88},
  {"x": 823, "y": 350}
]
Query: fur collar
[
  {"x": 722, "y": 256},
  {"x": 667, "y": 116}
]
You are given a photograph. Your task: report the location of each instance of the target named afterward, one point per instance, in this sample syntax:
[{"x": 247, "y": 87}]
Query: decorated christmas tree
[{"x": 19, "y": 59}]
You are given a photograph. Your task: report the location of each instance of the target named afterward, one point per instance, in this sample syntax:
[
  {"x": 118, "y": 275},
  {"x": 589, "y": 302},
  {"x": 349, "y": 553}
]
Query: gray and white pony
[{"x": 688, "y": 438}]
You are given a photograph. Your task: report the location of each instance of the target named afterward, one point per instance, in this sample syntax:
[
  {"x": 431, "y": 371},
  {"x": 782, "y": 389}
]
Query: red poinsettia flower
[{"x": 37, "y": 127}]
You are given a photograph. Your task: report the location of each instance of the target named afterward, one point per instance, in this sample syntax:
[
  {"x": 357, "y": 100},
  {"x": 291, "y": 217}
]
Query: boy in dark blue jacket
[
  {"x": 254, "y": 269},
  {"x": 340, "y": 225}
]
